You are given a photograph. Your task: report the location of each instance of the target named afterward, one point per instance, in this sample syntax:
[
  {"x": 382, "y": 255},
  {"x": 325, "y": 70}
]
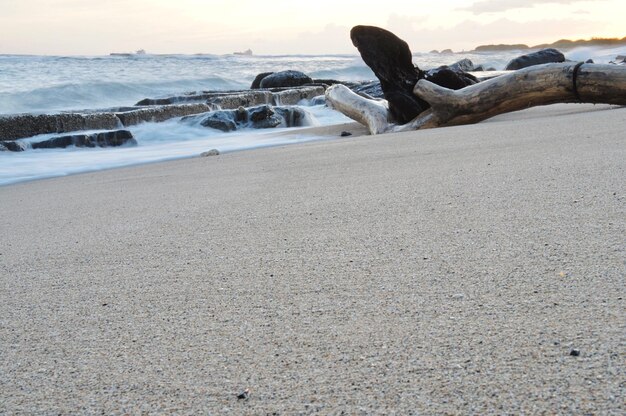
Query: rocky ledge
[
  {"x": 18, "y": 126},
  {"x": 102, "y": 139}
]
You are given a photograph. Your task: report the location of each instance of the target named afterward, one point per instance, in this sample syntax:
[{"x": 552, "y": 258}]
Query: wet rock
[
  {"x": 256, "y": 84},
  {"x": 285, "y": 79},
  {"x": 295, "y": 95},
  {"x": 345, "y": 134},
  {"x": 160, "y": 113},
  {"x": 292, "y": 116},
  {"x": 589, "y": 61},
  {"x": 574, "y": 353},
  {"x": 220, "y": 120},
  {"x": 103, "y": 139},
  {"x": 370, "y": 89},
  {"x": 462, "y": 65},
  {"x": 328, "y": 82},
  {"x": 544, "y": 56},
  {"x": 260, "y": 117},
  {"x": 263, "y": 117},
  {"x": 242, "y": 98},
  {"x": 212, "y": 152},
  {"x": 12, "y": 146},
  {"x": 26, "y": 125}
]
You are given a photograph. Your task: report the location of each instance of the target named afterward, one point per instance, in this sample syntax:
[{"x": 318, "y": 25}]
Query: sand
[{"x": 464, "y": 270}]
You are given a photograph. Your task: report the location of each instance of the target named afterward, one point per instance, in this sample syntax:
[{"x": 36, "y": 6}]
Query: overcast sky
[{"x": 96, "y": 27}]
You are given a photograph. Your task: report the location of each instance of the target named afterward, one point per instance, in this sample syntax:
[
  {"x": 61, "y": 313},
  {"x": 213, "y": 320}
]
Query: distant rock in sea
[{"x": 501, "y": 47}]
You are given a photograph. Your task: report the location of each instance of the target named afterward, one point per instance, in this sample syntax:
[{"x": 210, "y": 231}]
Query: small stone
[
  {"x": 458, "y": 296},
  {"x": 345, "y": 134},
  {"x": 244, "y": 395},
  {"x": 212, "y": 152},
  {"x": 574, "y": 353}
]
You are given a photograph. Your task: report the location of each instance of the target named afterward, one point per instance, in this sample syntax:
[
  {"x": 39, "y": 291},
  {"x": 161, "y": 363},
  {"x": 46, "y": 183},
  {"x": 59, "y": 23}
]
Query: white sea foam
[{"x": 172, "y": 139}]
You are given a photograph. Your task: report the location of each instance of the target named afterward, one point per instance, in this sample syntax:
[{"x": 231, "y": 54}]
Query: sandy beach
[{"x": 465, "y": 270}]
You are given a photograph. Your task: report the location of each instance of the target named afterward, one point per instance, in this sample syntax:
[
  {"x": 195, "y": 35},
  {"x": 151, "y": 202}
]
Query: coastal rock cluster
[
  {"x": 13, "y": 128},
  {"x": 259, "y": 117},
  {"x": 268, "y": 103}
]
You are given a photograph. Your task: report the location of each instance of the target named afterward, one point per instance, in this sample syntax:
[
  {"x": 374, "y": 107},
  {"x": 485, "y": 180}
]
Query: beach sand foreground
[{"x": 465, "y": 270}]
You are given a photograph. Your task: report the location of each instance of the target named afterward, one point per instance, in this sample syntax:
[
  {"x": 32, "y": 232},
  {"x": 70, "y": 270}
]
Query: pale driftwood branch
[
  {"x": 529, "y": 87},
  {"x": 371, "y": 113}
]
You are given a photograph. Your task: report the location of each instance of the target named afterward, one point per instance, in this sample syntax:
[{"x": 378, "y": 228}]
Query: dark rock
[
  {"x": 26, "y": 125},
  {"x": 260, "y": 117},
  {"x": 369, "y": 90},
  {"x": 292, "y": 116},
  {"x": 244, "y": 395},
  {"x": 345, "y": 134},
  {"x": 391, "y": 60},
  {"x": 285, "y": 79},
  {"x": 263, "y": 117},
  {"x": 478, "y": 68},
  {"x": 544, "y": 56},
  {"x": 329, "y": 82},
  {"x": 449, "y": 78},
  {"x": 574, "y": 353},
  {"x": 212, "y": 152},
  {"x": 104, "y": 139},
  {"x": 12, "y": 146},
  {"x": 589, "y": 61},
  {"x": 462, "y": 65},
  {"x": 256, "y": 84},
  {"x": 220, "y": 120}
]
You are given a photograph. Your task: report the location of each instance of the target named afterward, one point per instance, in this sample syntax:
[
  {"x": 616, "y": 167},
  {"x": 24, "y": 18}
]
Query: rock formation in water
[{"x": 259, "y": 117}]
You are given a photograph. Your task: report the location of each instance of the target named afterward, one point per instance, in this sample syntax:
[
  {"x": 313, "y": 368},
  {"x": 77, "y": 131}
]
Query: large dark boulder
[
  {"x": 391, "y": 60},
  {"x": 256, "y": 84},
  {"x": 285, "y": 79},
  {"x": 104, "y": 139},
  {"x": 544, "y": 56}
]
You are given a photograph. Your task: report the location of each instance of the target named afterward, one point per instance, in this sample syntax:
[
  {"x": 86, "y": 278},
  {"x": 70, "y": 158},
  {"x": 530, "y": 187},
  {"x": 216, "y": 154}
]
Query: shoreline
[{"x": 473, "y": 269}]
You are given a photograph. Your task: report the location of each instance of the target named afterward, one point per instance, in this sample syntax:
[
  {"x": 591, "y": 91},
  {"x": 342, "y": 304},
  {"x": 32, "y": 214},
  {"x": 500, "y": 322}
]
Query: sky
[{"x": 98, "y": 27}]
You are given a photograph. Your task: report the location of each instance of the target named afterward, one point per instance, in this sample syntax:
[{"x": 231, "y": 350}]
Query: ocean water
[{"x": 47, "y": 84}]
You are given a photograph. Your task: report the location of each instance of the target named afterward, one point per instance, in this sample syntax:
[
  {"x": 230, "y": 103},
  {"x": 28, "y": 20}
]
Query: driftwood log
[{"x": 528, "y": 87}]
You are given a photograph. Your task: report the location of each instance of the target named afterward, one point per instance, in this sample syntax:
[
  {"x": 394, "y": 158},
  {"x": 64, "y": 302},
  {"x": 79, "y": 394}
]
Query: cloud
[{"x": 496, "y": 6}]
